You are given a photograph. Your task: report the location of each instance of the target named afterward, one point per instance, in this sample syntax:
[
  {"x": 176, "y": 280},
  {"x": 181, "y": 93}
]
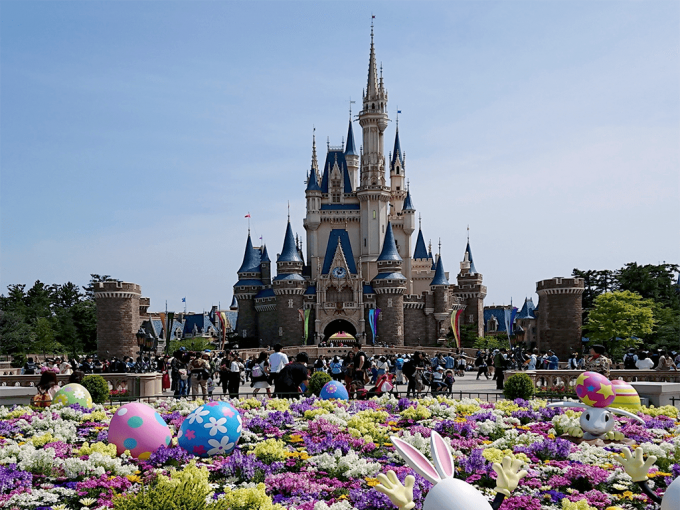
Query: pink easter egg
[
  {"x": 594, "y": 389},
  {"x": 139, "y": 428}
]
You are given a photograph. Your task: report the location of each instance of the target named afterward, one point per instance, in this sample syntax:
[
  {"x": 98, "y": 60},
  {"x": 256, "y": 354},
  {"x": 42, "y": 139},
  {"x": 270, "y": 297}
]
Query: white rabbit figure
[
  {"x": 448, "y": 492},
  {"x": 596, "y": 421}
]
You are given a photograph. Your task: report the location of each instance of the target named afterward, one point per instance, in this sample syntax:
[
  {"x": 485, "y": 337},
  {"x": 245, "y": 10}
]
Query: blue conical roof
[
  {"x": 389, "y": 250},
  {"x": 408, "y": 203},
  {"x": 251, "y": 259},
  {"x": 289, "y": 253},
  {"x": 265, "y": 255},
  {"x": 397, "y": 150},
  {"x": 350, "y": 150},
  {"x": 527, "y": 311},
  {"x": 234, "y": 304},
  {"x": 313, "y": 181},
  {"x": 439, "y": 274},
  {"x": 421, "y": 250},
  {"x": 429, "y": 255},
  {"x": 468, "y": 250}
]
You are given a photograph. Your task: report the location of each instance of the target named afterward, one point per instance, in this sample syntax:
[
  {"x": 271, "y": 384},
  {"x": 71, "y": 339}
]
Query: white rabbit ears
[
  {"x": 567, "y": 403},
  {"x": 623, "y": 412},
  {"x": 443, "y": 461}
]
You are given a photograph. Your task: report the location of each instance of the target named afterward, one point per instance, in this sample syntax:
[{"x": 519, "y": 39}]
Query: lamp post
[{"x": 141, "y": 338}]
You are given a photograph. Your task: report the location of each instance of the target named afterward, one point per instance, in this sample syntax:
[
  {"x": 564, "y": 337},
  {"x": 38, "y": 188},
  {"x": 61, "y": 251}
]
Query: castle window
[
  {"x": 364, "y": 242},
  {"x": 373, "y": 213},
  {"x": 398, "y": 187},
  {"x": 373, "y": 106},
  {"x": 336, "y": 198}
]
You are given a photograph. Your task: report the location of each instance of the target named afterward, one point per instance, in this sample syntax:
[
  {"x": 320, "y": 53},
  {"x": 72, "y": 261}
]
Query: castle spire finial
[
  {"x": 289, "y": 211},
  {"x": 420, "y": 221},
  {"x": 468, "y": 234},
  {"x": 372, "y": 87},
  {"x": 315, "y": 163},
  {"x": 440, "y": 246}
]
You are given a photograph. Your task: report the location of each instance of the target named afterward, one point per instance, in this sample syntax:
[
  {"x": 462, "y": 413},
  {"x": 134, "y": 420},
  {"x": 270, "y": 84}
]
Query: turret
[
  {"x": 442, "y": 298},
  {"x": 248, "y": 285},
  {"x": 352, "y": 156},
  {"x": 266, "y": 266},
  {"x": 409, "y": 214},
  {"x": 289, "y": 287},
  {"x": 397, "y": 177},
  {"x": 313, "y": 194},
  {"x": 389, "y": 285},
  {"x": 471, "y": 291}
]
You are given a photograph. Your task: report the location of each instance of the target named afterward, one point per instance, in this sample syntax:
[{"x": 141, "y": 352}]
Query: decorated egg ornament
[
  {"x": 334, "y": 389},
  {"x": 212, "y": 429},
  {"x": 626, "y": 396},
  {"x": 73, "y": 394},
  {"x": 594, "y": 389},
  {"x": 138, "y": 428}
]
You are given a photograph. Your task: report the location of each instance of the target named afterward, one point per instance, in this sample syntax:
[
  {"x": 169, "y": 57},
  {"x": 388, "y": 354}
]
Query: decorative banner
[
  {"x": 223, "y": 328},
  {"x": 455, "y": 326},
  {"x": 509, "y": 319},
  {"x": 168, "y": 330},
  {"x": 302, "y": 318},
  {"x": 308, "y": 312},
  {"x": 371, "y": 323}
]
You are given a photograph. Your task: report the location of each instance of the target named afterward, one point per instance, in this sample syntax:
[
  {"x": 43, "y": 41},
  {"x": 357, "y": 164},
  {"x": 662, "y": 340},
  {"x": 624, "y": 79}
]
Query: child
[
  {"x": 211, "y": 386},
  {"x": 449, "y": 380}
]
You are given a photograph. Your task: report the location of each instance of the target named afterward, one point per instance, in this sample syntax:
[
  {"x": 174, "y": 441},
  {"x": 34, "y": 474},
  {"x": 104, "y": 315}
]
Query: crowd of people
[{"x": 197, "y": 374}]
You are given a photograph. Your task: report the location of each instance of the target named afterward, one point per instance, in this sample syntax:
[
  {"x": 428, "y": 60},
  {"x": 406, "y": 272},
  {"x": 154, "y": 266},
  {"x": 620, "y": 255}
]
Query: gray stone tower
[
  {"x": 289, "y": 288},
  {"x": 560, "y": 315},
  {"x": 471, "y": 291},
  {"x": 248, "y": 285},
  {"x": 442, "y": 298},
  {"x": 118, "y": 306},
  {"x": 389, "y": 285}
]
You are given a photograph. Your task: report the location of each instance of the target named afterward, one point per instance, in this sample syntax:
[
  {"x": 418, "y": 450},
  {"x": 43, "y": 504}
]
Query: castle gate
[{"x": 337, "y": 326}]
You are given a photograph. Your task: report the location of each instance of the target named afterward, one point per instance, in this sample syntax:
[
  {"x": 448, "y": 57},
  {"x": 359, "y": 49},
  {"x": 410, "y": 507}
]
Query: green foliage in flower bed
[
  {"x": 317, "y": 382},
  {"x": 518, "y": 386},
  {"x": 98, "y": 388}
]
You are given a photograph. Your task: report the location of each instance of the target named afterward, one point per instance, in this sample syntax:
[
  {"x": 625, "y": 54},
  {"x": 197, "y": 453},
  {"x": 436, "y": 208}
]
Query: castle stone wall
[
  {"x": 560, "y": 315},
  {"x": 290, "y": 326},
  {"x": 117, "y": 318},
  {"x": 391, "y": 324}
]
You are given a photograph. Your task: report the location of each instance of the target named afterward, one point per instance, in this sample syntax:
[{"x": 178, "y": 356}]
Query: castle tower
[
  {"x": 248, "y": 285},
  {"x": 289, "y": 288},
  {"x": 351, "y": 155},
  {"x": 560, "y": 315},
  {"x": 118, "y": 306},
  {"x": 471, "y": 291},
  {"x": 312, "y": 220},
  {"x": 397, "y": 175},
  {"x": 442, "y": 306},
  {"x": 266, "y": 267},
  {"x": 389, "y": 285},
  {"x": 373, "y": 193},
  {"x": 408, "y": 225}
]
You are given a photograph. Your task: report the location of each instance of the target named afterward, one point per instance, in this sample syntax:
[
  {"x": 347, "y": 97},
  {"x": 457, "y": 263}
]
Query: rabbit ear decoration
[
  {"x": 416, "y": 460},
  {"x": 568, "y": 404},
  {"x": 441, "y": 455},
  {"x": 626, "y": 413}
]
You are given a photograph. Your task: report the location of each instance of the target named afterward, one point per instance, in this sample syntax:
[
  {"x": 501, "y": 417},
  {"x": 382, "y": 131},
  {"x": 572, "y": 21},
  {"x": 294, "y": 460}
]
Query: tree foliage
[
  {"x": 49, "y": 318},
  {"x": 621, "y": 315}
]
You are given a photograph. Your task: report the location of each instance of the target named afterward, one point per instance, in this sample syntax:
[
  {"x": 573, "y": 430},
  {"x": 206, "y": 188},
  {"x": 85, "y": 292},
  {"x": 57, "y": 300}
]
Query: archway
[{"x": 340, "y": 326}]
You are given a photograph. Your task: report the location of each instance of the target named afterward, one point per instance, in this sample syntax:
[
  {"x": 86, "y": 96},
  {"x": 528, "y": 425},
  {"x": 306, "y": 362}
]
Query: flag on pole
[
  {"x": 398, "y": 111},
  {"x": 247, "y": 215},
  {"x": 184, "y": 300}
]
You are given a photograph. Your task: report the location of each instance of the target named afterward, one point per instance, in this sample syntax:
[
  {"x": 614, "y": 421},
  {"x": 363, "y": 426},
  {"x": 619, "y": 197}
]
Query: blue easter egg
[
  {"x": 334, "y": 389},
  {"x": 212, "y": 429}
]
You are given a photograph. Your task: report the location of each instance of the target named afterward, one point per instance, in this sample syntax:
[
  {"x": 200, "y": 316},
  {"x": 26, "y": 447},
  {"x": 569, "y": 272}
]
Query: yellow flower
[
  {"x": 134, "y": 478},
  {"x": 372, "y": 482}
]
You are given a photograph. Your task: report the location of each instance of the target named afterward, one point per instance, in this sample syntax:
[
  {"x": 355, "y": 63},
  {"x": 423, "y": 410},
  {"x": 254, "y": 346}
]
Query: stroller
[{"x": 384, "y": 384}]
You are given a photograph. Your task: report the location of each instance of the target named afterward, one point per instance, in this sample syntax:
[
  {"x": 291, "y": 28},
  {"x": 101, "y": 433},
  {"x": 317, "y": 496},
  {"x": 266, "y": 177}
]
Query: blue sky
[{"x": 135, "y": 136}]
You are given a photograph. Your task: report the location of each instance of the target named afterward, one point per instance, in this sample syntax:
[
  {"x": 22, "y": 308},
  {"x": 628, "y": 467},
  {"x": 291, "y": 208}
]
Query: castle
[{"x": 361, "y": 273}]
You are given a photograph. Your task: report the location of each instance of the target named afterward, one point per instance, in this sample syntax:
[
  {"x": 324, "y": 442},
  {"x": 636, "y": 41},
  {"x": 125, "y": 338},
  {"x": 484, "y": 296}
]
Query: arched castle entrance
[{"x": 337, "y": 326}]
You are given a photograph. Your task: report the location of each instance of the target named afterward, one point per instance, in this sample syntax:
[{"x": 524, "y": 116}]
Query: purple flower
[
  {"x": 12, "y": 478},
  {"x": 173, "y": 455}
]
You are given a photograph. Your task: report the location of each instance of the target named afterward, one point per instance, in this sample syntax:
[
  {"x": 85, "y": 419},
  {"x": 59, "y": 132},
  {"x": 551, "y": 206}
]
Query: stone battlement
[
  {"x": 560, "y": 285},
  {"x": 115, "y": 287}
]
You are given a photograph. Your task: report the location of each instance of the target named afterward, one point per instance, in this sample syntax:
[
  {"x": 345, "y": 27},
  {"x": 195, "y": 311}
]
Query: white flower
[
  {"x": 197, "y": 416},
  {"x": 240, "y": 424},
  {"x": 216, "y": 426},
  {"x": 219, "y": 446}
]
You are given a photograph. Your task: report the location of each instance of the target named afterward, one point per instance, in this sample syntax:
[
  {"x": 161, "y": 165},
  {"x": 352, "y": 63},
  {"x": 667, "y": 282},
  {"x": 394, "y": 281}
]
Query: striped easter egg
[{"x": 626, "y": 396}]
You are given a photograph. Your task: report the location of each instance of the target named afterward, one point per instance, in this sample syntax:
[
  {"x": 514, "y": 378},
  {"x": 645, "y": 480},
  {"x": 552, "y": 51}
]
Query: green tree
[
  {"x": 16, "y": 335},
  {"x": 84, "y": 315},
  {"x": 620, "y": 315},
  {"x": 44, "y": 336},
  {"x": 38, "y": 301},
  {"x": 656, "y": 282}
]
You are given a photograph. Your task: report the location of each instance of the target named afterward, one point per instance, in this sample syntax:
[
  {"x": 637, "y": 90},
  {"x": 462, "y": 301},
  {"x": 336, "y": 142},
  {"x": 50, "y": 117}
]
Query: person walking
[
  {"x": 200, "y": 372},
  {"x": 292, "y": 376},
  {"x": 260, "y": 374},
  {"x": 234, "y": 375},
  {"x": 277, "y": 361},
  {"x": 500, "y": 362},
  {"x": 482, "y": 368},
  {"x": 336, "y": 368}
]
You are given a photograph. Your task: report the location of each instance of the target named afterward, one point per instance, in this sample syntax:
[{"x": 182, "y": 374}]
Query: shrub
[
  {"x": 519, "y": 386},
  {"x": 18, "y": 361},
  {"x": 98, "y": 388},
  {"x": 317, "y": 382}
]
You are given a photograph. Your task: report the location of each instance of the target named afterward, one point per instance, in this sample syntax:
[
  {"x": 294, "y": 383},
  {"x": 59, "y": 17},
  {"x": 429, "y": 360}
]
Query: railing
[
  {"x": 136, "y": 384},
  {"x": 567, "y": 378}
]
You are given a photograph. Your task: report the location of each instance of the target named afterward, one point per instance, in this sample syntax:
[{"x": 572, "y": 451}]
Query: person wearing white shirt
[
  {"x": 644, "y": 363},
  {"x": 278, "y": 360}
]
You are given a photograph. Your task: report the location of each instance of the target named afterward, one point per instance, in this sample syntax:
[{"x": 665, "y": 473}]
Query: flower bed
[{"x": 315, "y": 455}]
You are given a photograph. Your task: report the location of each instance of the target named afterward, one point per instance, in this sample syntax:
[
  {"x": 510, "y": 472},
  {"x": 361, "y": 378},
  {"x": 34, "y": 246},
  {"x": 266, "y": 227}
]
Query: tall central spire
[{"x": 372, "y": 87}]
